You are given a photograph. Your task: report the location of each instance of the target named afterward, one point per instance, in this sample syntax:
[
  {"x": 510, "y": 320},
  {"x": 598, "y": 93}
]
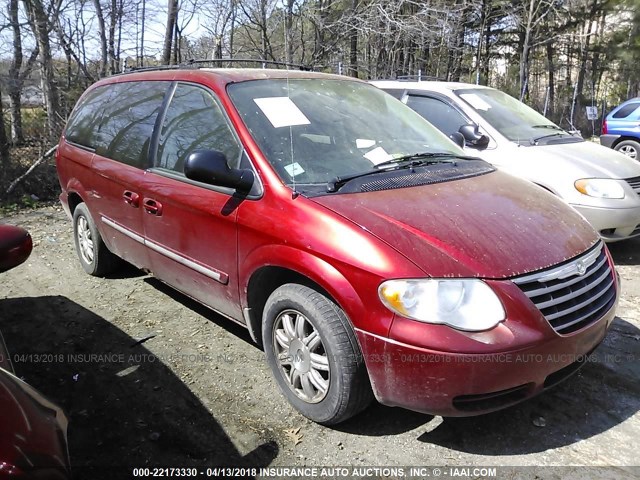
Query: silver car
[{"x": 602, "y": 184}]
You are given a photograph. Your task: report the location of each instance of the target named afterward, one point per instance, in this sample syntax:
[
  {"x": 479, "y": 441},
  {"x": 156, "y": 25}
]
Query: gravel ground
[{"x": 149, "y": 377}]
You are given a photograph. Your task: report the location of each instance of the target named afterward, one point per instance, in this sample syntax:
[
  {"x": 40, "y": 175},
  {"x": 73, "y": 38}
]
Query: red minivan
[{"x": 357, "y": 243}]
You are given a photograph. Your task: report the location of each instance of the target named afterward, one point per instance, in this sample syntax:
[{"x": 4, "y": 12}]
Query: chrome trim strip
[
  {"x": 564, "y": 326},
  {"x": 553, "y": 316},
  {"x": 544, "y": 290},
  {"x": 577, "y": 267},
  {"x": 208, "y": 272},
  {"x": 123, "y": 230},
  {"x": 575, "y": 293}
]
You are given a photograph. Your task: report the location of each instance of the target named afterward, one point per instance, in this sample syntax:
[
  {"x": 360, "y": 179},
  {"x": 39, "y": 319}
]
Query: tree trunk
[
  {"x": 144, "y": 7},
  {"x": 288, "y": 25},
  {"x": 484, "y": 71},
  {"x": 112, "y": 37},
  {"x": 319, "y": 28},
  {"x": 15, "y": 85},
  {"x": 353, "y": 43},
  {"x": 5, "y": 159},
  {"x": 454, "y": 63},
  {"x": 40, "y": 23},
  {"x": 102, "y": 33},
  {"x": 172, "y": 16},
  {"x": 584, "y": 55},
  {"x": 232, "y": 27}
]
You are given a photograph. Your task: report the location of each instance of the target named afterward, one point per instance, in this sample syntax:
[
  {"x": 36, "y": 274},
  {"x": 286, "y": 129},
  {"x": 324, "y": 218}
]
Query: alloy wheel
[
  {"x": 301, "y": 356},
  {"x": 85, "y": 240},
  {"x": 629, "y": 151}
]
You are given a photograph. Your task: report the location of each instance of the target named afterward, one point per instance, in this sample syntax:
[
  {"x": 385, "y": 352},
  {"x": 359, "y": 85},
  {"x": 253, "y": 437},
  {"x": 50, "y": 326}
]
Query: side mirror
[
  {"x": 210, "y": 166},
  {"x": 473, "y": 137},
  {"x": 458, "y": 139}
]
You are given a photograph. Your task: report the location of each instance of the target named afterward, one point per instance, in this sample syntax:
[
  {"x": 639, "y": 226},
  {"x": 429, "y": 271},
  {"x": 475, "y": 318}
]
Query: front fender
[{"x": 361, "y": 305}]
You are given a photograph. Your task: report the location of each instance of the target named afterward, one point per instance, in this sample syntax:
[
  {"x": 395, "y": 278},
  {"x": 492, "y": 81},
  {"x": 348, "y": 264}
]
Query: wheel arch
[
  {"x": 625, "y": 138},
  {"x": 263, "y": 278},
  {"x": 76, "y": 194}
]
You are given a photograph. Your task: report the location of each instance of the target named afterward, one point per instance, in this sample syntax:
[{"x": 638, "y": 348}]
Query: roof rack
[
  {"x": 263, "y": 63},
  {"x": 222, "y": 62}
]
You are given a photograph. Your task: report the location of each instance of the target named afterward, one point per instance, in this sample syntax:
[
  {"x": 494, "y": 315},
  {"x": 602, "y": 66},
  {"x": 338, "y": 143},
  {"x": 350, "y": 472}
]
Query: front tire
[
  {"x": 630, "y": 148},
  {"x": 94, "y": 256},
  {"x": 314, "y": 355}
]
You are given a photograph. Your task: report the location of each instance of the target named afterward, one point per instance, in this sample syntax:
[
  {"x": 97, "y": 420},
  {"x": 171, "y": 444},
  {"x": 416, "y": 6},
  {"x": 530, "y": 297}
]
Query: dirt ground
[{"x": 150, "y": 378}]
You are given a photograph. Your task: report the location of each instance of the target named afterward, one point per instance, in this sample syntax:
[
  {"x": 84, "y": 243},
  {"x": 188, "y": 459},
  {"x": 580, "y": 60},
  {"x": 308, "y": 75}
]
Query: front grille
[
  {"x": 635, "y": 184},
  {"x": 575, "y": 293}
]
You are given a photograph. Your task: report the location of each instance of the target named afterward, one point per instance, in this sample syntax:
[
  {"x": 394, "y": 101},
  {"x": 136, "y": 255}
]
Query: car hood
[
  {"x": 489, "y": 226},
  {"x": 586, "y": 159}
]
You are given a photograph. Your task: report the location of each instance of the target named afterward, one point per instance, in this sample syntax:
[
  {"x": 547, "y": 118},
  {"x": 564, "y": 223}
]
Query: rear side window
[
  {"x": 442, "y": 115},
  {"x": 85, "y": 120},
  {"x": 626, "y": 110},
  {"x": 194, "y": 121},
  {"x": 125, "y": 131}
]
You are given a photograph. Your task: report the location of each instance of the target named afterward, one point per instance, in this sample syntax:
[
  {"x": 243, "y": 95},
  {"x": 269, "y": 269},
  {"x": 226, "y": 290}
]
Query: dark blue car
[{"x": 621, "y": 129}]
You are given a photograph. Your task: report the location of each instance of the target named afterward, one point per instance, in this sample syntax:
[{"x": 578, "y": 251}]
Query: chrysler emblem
[{"x": 581, "y": 267}]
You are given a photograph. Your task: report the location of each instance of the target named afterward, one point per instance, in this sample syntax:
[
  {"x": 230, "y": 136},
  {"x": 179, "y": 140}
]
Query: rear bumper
[
  {"x": 608, "y": 139},
  {"x": 612, "y": 224},
  {"x": 452, "y": 384}
]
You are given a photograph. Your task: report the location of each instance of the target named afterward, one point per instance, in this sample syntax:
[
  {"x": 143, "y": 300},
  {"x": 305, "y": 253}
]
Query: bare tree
[
  {"x": 102, "y": 35},
  {"x": 40, "y": 24},
  {"x": 172, "y": 17},
  {"x": 17, "y": 73}
]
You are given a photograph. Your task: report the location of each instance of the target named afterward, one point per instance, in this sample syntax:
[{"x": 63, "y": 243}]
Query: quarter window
[
  {"x": 85, "y": 120},
  {"x": 194, "y": 121},
  {"x": 626, "y": 110}
]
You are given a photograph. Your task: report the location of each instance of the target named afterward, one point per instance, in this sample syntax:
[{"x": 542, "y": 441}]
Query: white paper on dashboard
[
  {"x": 294, "y": 169},
  {"x": 364, "y": 143},
  {"x": 281, "y": 111},
  {"x": 378, "y": 155},
  {"x": 475, "y": 101}
]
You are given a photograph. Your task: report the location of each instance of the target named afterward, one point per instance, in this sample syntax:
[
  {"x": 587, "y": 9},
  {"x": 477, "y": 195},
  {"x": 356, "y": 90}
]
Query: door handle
[
  {"x": 131, "y": 198},
  {"x": 152, "y": 207}
]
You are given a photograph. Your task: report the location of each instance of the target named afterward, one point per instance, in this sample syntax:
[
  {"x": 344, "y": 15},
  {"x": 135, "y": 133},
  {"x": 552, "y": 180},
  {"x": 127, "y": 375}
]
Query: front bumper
[
  {"x": 613, "y": 224},
  {"x": 608, "y": 140},
  {"x": 455, "y": 384}
]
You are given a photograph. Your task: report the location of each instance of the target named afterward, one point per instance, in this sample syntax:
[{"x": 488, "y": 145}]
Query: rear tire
[
  {"x": 94, "y": 256},
  {"x": 630, "y": 148},
  {"x": 314, "y": 355}
]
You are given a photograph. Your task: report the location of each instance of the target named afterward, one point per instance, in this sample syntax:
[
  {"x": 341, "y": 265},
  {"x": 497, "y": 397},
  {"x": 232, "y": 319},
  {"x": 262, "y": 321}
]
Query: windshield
[
  {"x": 512, "y": 118},
  {"x": 314, "y": 130}
]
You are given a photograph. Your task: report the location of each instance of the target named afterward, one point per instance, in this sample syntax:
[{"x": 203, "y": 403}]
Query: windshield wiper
[
  {"x": 535, "y": 140},
  {"x": 422, "y": 159},
  {"x": 406, "y": 161}
]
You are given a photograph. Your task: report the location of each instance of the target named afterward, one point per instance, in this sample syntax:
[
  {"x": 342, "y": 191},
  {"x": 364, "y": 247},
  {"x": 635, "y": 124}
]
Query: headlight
[
  {"x": 600, "y": 187},
  {"x": 465, "y": 304}
]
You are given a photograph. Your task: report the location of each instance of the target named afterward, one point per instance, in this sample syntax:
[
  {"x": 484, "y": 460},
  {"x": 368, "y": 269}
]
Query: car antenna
[{"x": 295, "y": 193}]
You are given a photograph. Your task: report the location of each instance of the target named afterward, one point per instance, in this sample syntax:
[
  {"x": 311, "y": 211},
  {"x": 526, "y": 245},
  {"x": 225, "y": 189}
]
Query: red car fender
[{"x": 357, "y": 308}]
